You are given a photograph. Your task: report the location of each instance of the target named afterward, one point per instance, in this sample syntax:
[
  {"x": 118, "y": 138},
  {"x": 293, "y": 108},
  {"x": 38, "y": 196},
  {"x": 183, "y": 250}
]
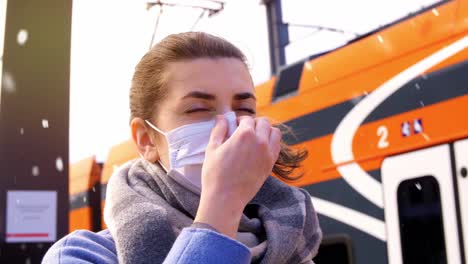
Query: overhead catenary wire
[
  {"x": 319, "y": 27},
  {"x": 198, "y": 19},
  {"x": 205, "y": 9},
  {"x": 156, "y": 26}
]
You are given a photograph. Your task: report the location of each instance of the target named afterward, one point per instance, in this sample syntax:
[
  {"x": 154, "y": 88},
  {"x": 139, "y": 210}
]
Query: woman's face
[{"x": 200, "y": 89}]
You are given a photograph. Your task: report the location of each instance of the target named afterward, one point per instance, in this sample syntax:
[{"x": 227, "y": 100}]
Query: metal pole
[
  {"x": 34, "y": 122},
  {"x": 278, "y": 34}
]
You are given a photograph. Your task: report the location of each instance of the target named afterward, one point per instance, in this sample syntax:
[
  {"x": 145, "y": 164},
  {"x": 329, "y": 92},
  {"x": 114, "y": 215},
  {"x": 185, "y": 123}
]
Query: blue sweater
[{"x": 193, "y": 245}]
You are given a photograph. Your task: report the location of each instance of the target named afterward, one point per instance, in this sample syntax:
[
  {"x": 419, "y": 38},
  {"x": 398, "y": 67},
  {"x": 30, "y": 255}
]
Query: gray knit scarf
[{"x": 146, "y": 210}]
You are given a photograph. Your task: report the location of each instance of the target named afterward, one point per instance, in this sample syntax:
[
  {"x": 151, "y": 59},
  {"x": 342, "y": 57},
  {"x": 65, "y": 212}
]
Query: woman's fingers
[
  {"x": 262, "y": 130},
  {"x": 257, "y": 136},
  {"x": 218, "y": 134},
  {"x": 264, "y": 136},
  {"x": 244, "y": 135},
  {"x": 246, "y": 122},
  {"x": 275, "y": 139},
  {"x": 234, "y": 173}
]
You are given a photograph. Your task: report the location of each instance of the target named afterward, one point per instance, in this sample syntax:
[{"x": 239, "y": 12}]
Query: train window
[
  {"x": 335, "y": 249},
  {"x": 288, "y": 81},
  {"x": 421, "y": 224}
]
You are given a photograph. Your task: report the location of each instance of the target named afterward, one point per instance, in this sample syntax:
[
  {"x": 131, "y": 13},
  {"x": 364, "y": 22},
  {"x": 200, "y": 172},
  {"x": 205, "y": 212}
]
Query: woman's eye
[
  {"x": 196, "y": 110},
  {"x": 248, "y": 110}
]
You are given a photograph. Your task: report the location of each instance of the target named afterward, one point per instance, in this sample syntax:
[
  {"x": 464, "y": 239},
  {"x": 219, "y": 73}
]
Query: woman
[{"x": 205, "y": 166}]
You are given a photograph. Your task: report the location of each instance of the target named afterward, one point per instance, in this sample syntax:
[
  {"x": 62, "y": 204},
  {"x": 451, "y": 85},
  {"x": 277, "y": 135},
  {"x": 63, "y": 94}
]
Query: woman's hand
[{"x": 235, "y": 169}]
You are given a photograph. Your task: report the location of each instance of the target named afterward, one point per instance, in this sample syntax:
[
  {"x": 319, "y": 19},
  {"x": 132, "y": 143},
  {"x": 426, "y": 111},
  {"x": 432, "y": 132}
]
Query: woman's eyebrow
[
  {"x": 243, "y": 96},
  {"x": 199, "y": 95}
]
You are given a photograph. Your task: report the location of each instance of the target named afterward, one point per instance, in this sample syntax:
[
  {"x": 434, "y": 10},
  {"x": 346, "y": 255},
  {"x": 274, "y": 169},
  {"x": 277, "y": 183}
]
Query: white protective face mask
[{"x": 187, "y": 145}]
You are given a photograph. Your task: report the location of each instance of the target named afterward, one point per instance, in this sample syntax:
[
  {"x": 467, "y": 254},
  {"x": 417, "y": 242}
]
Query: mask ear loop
[
  {"x": 162, "y": 166},
  {"x": 154, "y": 127},
  {"x": 160, "y": 131}
]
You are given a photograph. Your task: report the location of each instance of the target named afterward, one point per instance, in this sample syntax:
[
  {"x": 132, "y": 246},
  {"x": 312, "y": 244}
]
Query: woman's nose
[{"x": 225, "y": 110}]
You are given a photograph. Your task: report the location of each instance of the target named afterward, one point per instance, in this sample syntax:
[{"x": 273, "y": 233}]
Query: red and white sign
[{"x": 31, "y": 216}]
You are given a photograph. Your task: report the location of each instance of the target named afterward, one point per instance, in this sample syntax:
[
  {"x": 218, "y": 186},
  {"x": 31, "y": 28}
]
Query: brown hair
[{"x": 149, "y": 82}]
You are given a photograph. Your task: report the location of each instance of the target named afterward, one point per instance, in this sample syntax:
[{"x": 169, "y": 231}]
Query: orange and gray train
[{"x": 385, "y": 120}]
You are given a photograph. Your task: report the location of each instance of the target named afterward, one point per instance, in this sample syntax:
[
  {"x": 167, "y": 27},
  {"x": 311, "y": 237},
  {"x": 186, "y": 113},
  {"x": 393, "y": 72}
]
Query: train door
[
  {"x": 421, "y": 207},
  {"x": 461, "y": 162}
]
